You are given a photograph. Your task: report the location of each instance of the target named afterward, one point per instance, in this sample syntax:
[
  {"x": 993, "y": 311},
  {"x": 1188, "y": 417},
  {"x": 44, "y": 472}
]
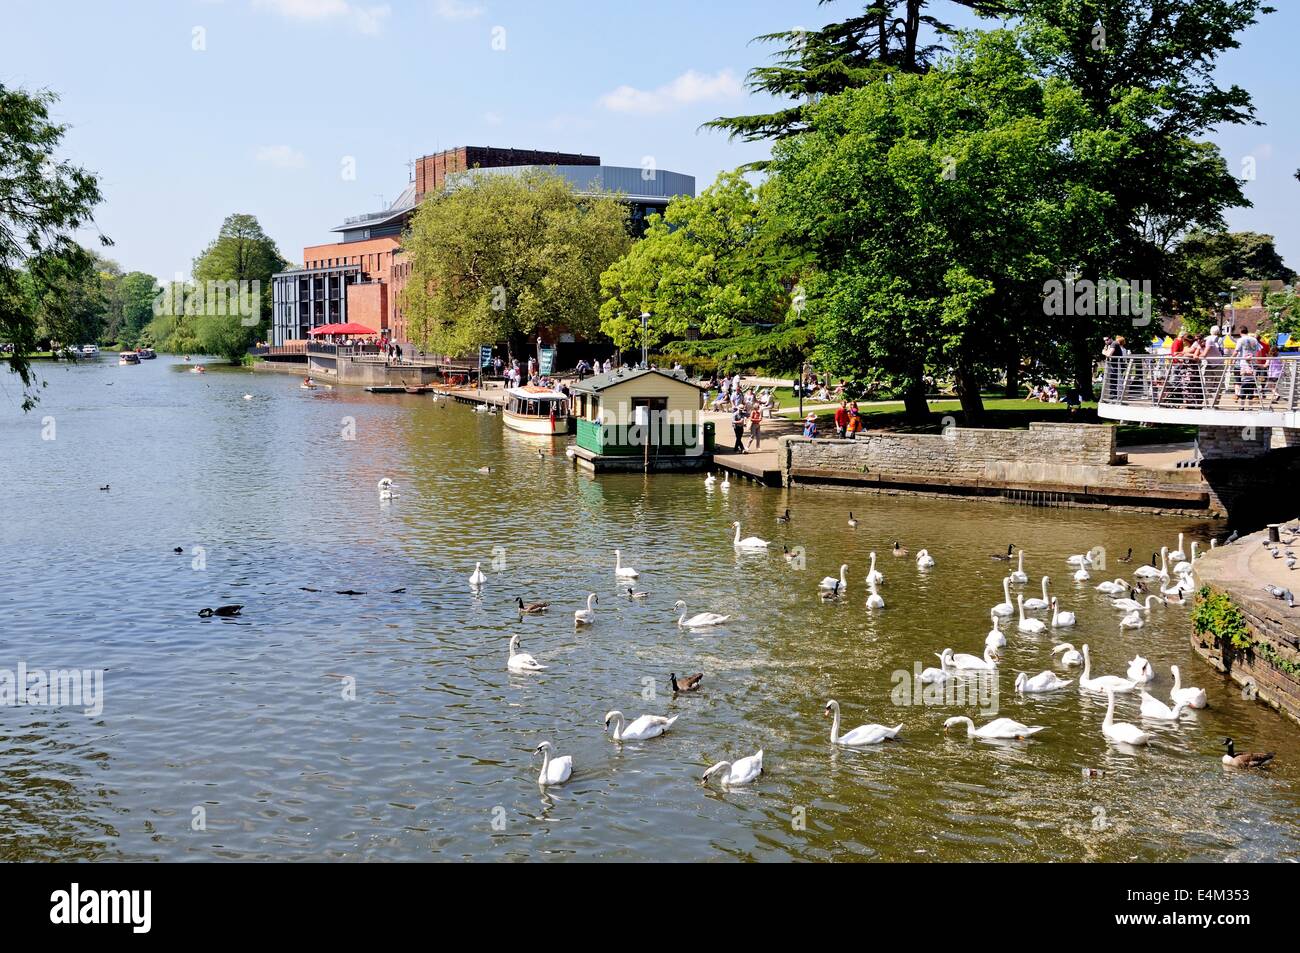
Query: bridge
[{"x": 1209, "y": 392}]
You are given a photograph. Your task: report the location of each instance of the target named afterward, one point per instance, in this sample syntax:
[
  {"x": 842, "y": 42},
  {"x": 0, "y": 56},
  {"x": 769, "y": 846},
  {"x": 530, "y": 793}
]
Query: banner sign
[
  {"x": 485, "y": 356},
  {"x": 546, "y": 365}
]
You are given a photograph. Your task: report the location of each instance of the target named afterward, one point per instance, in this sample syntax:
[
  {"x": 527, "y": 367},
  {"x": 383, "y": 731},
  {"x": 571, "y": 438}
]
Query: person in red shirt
[{"x": 841, "y": 418}]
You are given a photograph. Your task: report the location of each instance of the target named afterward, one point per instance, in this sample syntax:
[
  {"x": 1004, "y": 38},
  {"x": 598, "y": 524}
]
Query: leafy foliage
[{"x": 1217, "y": 615}]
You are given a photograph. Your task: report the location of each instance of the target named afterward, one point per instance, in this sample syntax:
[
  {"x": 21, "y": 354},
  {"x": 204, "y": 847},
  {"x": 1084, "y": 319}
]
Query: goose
[
  {"x": 223, "y": 611},
  {"x": 1121, "y": 731},
  {"x": 1132, "y": 605},
  {"x": 789, "y": 556},
  {"x": 875, "y": 600},
  {"x": 1178, "y": 556},
  {"x": 1184, "y": 567},
  {"x": 1140, "y": 670},
  {"x": 623, "y": 572},
  {"x": 643, "y": 729},
  {"x": 690, "y": 683},
  {"x": 749, "y": 542},
  {"x": 1248, "y": 759},
  {"x": 1044, "y": 681},
  {"x": 588, "y": 615},
  {"x": 710, "y": 479},
  {"x": 853, "y": 524},
  {"x": 1028, "y": 625},
  {"x": 830, "y": 595},
  {"x": 1061, "y": 618},
  {"x": 1127, "y": 557},
  {"x": 1070, "y": 655},
  {"x": 386, "y": 488},
  {"x": 784, "y": 517},
  {"x": 995, "y": 639},
  {"x": 1153, "y": 707},
  {"x": 477, "y": 579},
  {"x": 1035, "y": 603},
  {"x": 924, "y": 560},
  {"x": 700, "y": 620},
  {"x": 725, "y": 485},
  {"x": 1006, "y": 606},
  {"x": 1082, "y": 575},
  {"x": 1112, "y": 588},
  {"x": 1192, "y": 697},
  {"x": 1005, "y": 557},
  {"x": 871, "y": 734},
  {"x": 522, "y": 661},
  {"x": 1132, "y": 621},
  {"x": 874, "y": 575},
  {"x": 898, "y": 550},
  {"x": 838, "y": 585},
  {"x": 1102, "y": 683},
  {"x": 997, "y": 728},
  {"x": 971, "y": 663},
  {"x": 531, "y": 607},
  {"x": 1019, "y": 576},
  {"x": 733, "y": 775},
  {"x": 554, "y": 770},
  {"x": 1151, "y": 572}
]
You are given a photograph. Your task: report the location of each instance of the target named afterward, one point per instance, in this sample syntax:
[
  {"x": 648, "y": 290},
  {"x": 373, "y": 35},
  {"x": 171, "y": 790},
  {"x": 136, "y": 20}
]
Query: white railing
[{"x": 1227, "y": 383}]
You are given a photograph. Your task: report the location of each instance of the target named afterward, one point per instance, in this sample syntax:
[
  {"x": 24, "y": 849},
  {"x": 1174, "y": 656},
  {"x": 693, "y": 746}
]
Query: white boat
[
  {"x": 537, "y": 410},
  {"x": 128, "y": 357},
  {"x": 90, "y": 350},
  {"x": 146, "y": 353}
]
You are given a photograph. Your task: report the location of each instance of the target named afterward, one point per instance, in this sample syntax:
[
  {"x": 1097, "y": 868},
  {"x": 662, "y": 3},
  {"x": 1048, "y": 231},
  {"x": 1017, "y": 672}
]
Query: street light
[{"x": 645, "y": 329}]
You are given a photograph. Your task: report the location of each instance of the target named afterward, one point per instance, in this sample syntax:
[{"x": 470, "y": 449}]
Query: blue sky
[{"x": 193, "y": 109}]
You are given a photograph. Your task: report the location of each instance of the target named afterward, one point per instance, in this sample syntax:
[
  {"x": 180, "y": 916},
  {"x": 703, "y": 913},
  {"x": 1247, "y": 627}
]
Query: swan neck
[
  {"x": 835, "y": 724},
  {"x": 546, "y": 763}
]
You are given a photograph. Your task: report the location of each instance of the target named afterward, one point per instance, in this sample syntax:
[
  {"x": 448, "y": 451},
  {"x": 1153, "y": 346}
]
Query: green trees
[
  {"x": 233, "y": 279},
  {"x": 502, "y": 257}
]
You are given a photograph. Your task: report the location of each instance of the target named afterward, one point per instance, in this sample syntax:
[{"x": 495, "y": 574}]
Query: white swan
[
  {"x": 699, "y": 620},
  {"x": 1178, "y": 556},
  {"x": 934, "y": 676},
  {"x": 1083, "y": 559},
  {"x": 1042, "y": 682},
  {"x": 554, "y": 770},
  {"x": 1192, "y": 697},
  {"x": 1070, "y": 655},
  {"x": 969, "y": 663},
  {"x": 522, "y": 661},
  {"x": 588, "y": 615},
  {"x": 1101, "y": 683},
  {"x": 1082, "y": 575},
  {"x": 1028, "y": 625},
  {"x": 1140, "y": 670},
  {"x": 386, "y": 488},
  {"x": 1153, "y": 707},
  {"x": 477, "y": 579},
  {"x": 1006, "y": 606},
  {"x": 995, "y": 639},
  {"x": 742, "y": 772},
  {"x": 749, "y": 542},
  {"x": 997, "y": 728},
  {"x": 1121, "y": 731},
  {"x": 862, "y": 735},
  {"x": 623, "y": 572},
  {"x": 1018, "y": 575},
  {"x": 1111, "y": 588},
  {"x": 1151, "y": 572},
  {"x": 1035, "y": 603},
  {"x": 1184, "y": 585},
  {"x": 710, "y": 480},
  {"x": 875, "y": 600},
  {"x": 1184, "y": 567},
  {"x": 1132, "y": 621},
  {"x": 1061, "y": 618},
  {"x": 838, "y": 585},
  {"x": 726, "y": 481},
  {"x": 874, "y": 575},
  {"x": 924, "y": 560},
  {"x": 1132, "y": 605},
  {"x": 644, "y": 728}
]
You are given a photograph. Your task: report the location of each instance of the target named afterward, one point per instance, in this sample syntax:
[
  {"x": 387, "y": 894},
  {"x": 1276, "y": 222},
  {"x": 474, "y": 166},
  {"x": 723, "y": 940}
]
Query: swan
[
  {"x": 862, "y": 735},
  {"x": 1102, "y": 683},
  {"x": 934, "y": 676},
  {"x": 1061, "y": 618},
  {"x": 838, "y": 585},
  {"x": 1140, "y": 670},
  {"x": 1132, "y": 621},
  {"x": 477, "y": 579},
  {"x": 1121, "y": 731},
  {"x": 1182, "y": 586},
  {"x": 970, "y": 663},
  {"x": 1111, "y": 588},
  {"x": 995, "y": 639},
  {"x": 386, "y": 488},
  {"x": 1018, "y": 575},
  {"x": 1070, "y": 655},
  {"x": 1035, "y": 603},
  {"x": 726, "y": 481},
  {"x": 588, "y": 615},
  {"x": 1083, "y": 559},
  {"x": 749, "y": 542},
  {"x": 522, "y": 661},
  {"x": 1132, "y": 605},
  {"x": 1184, "y": 567},
  {"x": 742, "y": 772},
  {"x": 1006, "y": 606},
  {"x": 924, "y": 560},
  {"x": 1151, "y": 572},
  {"x": 1178, "y": 556},
  {"x": 875, "y": 600},
  {"x": 1042, "y": 682},
  {"x": 710, "y": 479},
  {"x": 997, "y": 728},
  {"x": 644, "y": 728},
  {"x": 1082, "y": 575},
  {"x": 1192, "y": 697},
  {"x": 1028, "y": 625},
  {"x": 554, "y": 770},
  {"x": 624, "y": 572},
  {"x": 1153, "y": 707},
  {"x": 699, "y": 620},
  {"x": 874, "y": 575}
]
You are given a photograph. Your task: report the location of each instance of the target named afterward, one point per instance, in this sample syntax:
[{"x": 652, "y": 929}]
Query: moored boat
[{"x": 537, "y": 410}]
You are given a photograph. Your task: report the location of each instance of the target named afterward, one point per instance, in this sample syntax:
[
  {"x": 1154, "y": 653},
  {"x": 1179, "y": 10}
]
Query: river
[{"x": 385, "y": 726}]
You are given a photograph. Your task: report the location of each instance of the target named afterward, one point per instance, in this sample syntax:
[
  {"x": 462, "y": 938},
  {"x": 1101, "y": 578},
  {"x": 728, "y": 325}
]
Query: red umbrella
[{"x": 342, "y": 329}]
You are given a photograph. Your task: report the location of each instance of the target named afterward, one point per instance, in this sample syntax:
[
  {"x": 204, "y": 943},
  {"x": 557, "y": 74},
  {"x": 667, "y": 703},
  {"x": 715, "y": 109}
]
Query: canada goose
[
  {"x": 1127, "y": 557},
  {"x": 789, "y": 556},
  {"x": 784, "y": 517},
  {"x": 219, "y": 610},
  {"x": 831, "y": 594},
  {"x": 1005, "y": 557},
  {"x": 1249, "y": 759},
  {"x": 898, "y": 550},
  {"x": 688, "y": 684},
  {"x": 532, "y": 606},
  {"x": 853, "y": 524}
]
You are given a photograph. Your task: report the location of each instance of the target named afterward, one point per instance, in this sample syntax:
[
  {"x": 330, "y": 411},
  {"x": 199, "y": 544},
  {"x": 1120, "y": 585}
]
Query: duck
[
  {"x": 789, "y": 556},
  {"x": 700, "y": 620},
  {"x": 178, "y": 549},
  {"x": 1005, "y": 557},
  {"x": 1178, "y": 556},
  {"x": 1102, "y": 683},
  {"x": 838, "y": 585},
  {"x": 1061, "y": 618},
  {"x": 1184, "y": 567},
  {"x": 970, "y": 663},
  {"x": 642, "y": 729},
  {"x": 531, "y": 607},
  {"x": 522, "y": 661},
  {"x": 690, "y": 683},
  {"x": 749, "y": 542},
  {"x": 853, "y": 523},
  {"x": 924, "y": 560},
  {"x": 1247, "y": 759},
  {"x": 1121, "y": 731},
  {"x": 1140, "y": 670},
  {"x": 105, "y": 488},
  {"x": 1018, "y": 575},
  {"x": 1006, "y": 606},
  {"x": 1132, "y": 605},
  {"x": 784, "y": 517},
  {"x": 1034, "y": 602},
  {"x": 1028, "y": 625},
  {"x": 862, "y": 735},
  {"x": 588, "y": 615},
  {"x": 741, "y": 772},
  {"x": 875, "y": 600},
  {"x": 995, "y": 639},
  {"x": 1151, "y": 572},
  {"x": 874, "y": 575},
  {"x": 1069, "y": 654},
  {"x": 223, "y": 611},
  {"x": 1193, "y": 697},
  {"x": 1154, "y": 708},
  {"x": 1113, "y": 587},
  {"x": 623, "y": 572},
  {"x": 637, "y": 593},
  {"x": 1044, "y": 681},
  {"x": 898, "y": 550},
  {"x": 477, "y": 579},
  {"x": 554, "y": 770},
  {"x": 997, "y": 728}
]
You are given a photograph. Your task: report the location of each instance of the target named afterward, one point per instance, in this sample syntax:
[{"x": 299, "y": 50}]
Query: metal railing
[{"x": 1228, "y": 383}]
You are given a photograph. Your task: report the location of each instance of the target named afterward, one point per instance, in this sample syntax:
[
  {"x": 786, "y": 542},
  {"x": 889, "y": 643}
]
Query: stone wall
[{"x": 1251, "y": 475}]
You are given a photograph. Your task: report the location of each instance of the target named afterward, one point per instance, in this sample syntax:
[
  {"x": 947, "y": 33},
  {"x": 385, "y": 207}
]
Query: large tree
[
  {"x": 1205, "y": 266},
  {"x": 502, "y": 257},
  {"x": 244, "y": 255}
]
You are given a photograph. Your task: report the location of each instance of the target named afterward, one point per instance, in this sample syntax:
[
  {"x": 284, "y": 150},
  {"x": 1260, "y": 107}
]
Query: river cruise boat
[
  {"x": 537, "y": 410},
  {"x": 90, "y": 350},
  {"x": 146, "y": 353},
  {"x": 128, "y": 357}
]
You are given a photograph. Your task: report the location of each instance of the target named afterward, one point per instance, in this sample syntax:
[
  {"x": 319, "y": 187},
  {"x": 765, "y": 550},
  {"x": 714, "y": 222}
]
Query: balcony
[{"x": 1213, "y": 391}]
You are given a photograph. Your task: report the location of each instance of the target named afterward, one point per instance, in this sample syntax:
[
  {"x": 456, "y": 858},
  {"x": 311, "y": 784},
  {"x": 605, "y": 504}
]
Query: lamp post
[
  {"x": 539, "y": 356},
  {"x": 645, "y": 329}
]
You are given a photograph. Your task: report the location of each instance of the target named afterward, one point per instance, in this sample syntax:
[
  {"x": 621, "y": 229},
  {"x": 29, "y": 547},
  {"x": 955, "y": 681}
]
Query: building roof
[{"x": 599, "y": 382}]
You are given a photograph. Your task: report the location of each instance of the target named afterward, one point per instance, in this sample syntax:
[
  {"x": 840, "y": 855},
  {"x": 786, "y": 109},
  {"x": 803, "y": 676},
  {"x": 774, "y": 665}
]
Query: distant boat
[
  {"x": 128, "y": 357},
  {"x": 90, "y": 350},
  {"x": 146, "y": 353}
]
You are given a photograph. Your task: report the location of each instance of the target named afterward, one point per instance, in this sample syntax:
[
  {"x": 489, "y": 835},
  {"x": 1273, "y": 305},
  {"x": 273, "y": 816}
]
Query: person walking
[
  {"x": 738, "y": 425},
  {"x": 755, "y": 427}
]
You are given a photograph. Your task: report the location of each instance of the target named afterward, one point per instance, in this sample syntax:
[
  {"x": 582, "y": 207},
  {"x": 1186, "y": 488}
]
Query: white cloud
[
  {"x": 363, "y": 19},
  {"x": 691, "y": 87},
  {"x": 282, "y": 157},
  {"x": 457, "y": 10}
]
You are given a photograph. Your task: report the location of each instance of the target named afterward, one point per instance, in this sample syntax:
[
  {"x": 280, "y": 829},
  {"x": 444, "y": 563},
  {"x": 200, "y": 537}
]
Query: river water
[{"x": 386, "y": 726}]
